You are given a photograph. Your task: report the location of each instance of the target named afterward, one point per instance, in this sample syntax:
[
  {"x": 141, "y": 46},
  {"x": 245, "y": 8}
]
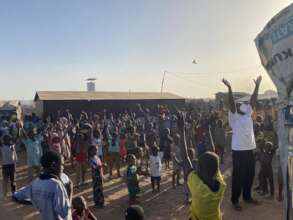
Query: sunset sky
[{"x": 128, "y": 44}]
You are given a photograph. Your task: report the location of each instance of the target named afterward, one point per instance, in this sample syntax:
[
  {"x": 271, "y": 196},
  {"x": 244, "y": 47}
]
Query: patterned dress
[{"x": 97, "y": 175}]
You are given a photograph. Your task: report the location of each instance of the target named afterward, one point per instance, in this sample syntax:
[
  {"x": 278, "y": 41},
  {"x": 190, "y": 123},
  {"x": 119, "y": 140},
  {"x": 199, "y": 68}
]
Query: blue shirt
[
  {"x": 49, "y": 197},
  {"x": 34, "y": 150}
]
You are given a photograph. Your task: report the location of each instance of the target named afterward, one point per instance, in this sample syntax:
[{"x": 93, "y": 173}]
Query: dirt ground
[{"x": 167, "y": 205}]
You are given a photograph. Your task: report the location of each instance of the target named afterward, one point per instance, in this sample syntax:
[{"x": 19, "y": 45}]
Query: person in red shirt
[
  {"x": 80, "y": 151},
  {"x": 55, "y": 142},
  {"x": 80, "y": 210},
  {"x": 122, "y": 146}
]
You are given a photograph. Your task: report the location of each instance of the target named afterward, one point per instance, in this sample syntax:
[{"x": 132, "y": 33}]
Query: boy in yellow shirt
[{"x": 206, "y": 183}]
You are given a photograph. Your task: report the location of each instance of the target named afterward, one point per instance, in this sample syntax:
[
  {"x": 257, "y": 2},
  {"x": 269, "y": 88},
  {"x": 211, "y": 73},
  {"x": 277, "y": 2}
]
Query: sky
[{"x": 128, "y": 44}]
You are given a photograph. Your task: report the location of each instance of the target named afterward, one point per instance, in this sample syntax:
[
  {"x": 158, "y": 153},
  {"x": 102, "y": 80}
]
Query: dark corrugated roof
[{"x": 80, "y": 95}]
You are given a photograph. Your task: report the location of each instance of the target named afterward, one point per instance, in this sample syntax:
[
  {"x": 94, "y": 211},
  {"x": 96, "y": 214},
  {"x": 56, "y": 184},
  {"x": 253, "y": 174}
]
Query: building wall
[{"x": 115, "y": 106}]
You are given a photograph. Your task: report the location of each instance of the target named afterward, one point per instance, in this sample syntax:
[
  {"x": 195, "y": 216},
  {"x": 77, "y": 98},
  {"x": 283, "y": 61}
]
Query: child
[
  {"x": 80, "y": 149},
  {"x": 165, "y": 146},
  {"x": 220, "y": 139},
  {"x": 55, "y": 142},
  {"x": 176, "y": 156},
  {"x": 80, "y": 210},
  {"x": 194, "y": 162},
  {"x": 134, "y": 212},
  {"x": 201, "y": 147},
  {"x": 156, "y": 167},
  {"x": 98, "y": 142},
  {"x": 122, "y": 146},
  {"x": 9, "y": 159},
  {"x": 204, "y": 141},
  {"x": 265, "y": 157},
  {"x": 97, "y": 176},
  {"x": 132, "y": 179},
  {"x": 206, "y": 185},
  {"x": 260, "y": 144},
  {"x": 114, "y": 157},
  {"x": 34, "y": 151},
  {"x": 131, "y": 143}
]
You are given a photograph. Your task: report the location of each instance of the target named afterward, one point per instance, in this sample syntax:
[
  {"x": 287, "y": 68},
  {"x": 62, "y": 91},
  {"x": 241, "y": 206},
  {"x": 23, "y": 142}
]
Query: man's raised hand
[
  {"x": 226, "y": 83},
  {"x": 258, "y": 80}
]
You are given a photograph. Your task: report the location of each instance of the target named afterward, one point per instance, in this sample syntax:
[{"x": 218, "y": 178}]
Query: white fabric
[
  {"x": 274, "y": 46},
  {"x": 64, "y": 178},
  {"x": 242, "y": 130},
  {"x": 245, "y": 108},
  {"x": 98, "y": 142},
  {"x": 9, "y": 155},
  {"x": 156, "y": 165}
]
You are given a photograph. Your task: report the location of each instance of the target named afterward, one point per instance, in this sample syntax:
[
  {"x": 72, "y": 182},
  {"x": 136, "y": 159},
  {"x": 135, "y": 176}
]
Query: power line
[
  {"x": 220, "y": 72},
  {"x": 194, "y": 83},
  {"x": 186, "y": 76}
]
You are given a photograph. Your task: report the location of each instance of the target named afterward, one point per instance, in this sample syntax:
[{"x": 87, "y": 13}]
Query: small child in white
[
  {"x": 156, "y": 167},
  {"x": 9, "y": 159}
]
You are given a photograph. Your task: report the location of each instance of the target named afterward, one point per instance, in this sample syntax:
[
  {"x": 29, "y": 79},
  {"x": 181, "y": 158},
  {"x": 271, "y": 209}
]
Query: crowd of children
[{"x": 144, "y": 139}]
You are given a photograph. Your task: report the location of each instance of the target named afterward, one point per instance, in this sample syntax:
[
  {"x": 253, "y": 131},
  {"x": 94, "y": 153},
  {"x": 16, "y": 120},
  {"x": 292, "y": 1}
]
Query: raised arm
[
  {"x": 65, "y": 133},
  {"x": 177, "y": 161},
  {"x": 23, "y": 132},
  {"x": 253, "y": 99},
  {"x": 186, "y": 163},
  {"x": 211, "y": 140},
  {"x": 232, "y": 106}
]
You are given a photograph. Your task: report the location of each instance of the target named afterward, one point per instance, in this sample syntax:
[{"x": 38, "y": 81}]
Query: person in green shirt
[
  {"x": 132, "y": 179},
  {"x": 206, "y": 183}
]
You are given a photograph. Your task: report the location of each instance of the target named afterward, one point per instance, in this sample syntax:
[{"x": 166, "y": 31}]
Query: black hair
[
  {"x": 92, "y": 150},
  {"x": 49, "y": 158},
  {"x": 78, "y": 201},
  {"x": 134, "y": 212},
  {"x": 208, "y": 164},
  {"x": 155, "y": 148},
  {"x": 130, "y": 157},
  {"x": 7, "y": 137}
]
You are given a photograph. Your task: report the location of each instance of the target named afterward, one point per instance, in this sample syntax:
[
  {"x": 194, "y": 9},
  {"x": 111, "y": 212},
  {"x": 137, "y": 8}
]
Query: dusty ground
[{"x": 168, "y": 205}]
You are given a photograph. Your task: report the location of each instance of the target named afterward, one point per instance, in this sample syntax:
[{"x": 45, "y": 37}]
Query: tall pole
[
  {"x": 163, "y": 81},
  {"x": 164, "y": 75}
]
